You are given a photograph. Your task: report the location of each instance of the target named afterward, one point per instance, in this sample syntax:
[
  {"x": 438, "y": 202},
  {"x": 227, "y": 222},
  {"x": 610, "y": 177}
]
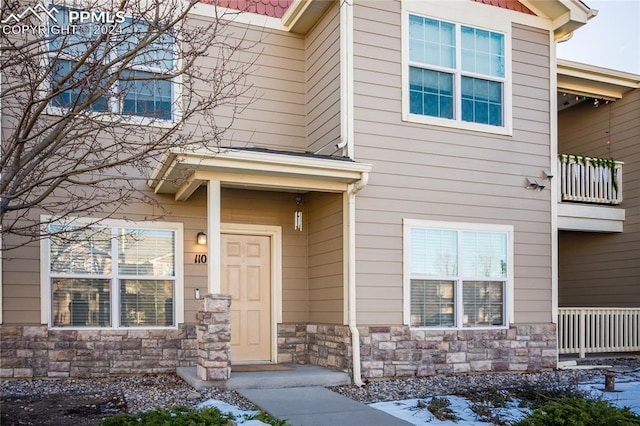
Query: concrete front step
[{"x": 298, "y": 376}]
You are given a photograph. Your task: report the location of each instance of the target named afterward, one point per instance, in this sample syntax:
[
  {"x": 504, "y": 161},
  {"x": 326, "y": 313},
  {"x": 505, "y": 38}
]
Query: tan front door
[{"x": 246, "y": 276}]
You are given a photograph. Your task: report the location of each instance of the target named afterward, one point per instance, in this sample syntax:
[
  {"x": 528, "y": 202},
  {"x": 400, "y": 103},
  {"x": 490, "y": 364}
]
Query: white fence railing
[
  {"x": 597, "y": 330},
  {"x": 590, "y": 180}
]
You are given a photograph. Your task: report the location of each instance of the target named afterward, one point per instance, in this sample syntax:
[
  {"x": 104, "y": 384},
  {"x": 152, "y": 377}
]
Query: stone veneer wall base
[
  {"x": 399, "y": 351},
  {"x": 386, "y": 351},
  {"x": 37, "y": 351}
]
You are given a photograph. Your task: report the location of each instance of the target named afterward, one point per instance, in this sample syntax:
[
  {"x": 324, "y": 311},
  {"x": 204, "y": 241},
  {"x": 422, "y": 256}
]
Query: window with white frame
[
  {"x": 457, "y": 275},
  {"x": 120, "y": 276},
  {"x": 144, "y": 88},
  {"x": 455, "y": 72}
]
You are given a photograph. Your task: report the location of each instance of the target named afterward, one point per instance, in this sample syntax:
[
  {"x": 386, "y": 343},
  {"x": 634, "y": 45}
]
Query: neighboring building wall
[
  {"x": 434, "y": 173},
  {"x": 603, "y": 270},
  {"x": 323, "y": 82},
  {"x": 326, "y": 282}
]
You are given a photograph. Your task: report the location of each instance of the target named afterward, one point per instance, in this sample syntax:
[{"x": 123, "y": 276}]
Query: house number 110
[{"x": 201, "y": 258}]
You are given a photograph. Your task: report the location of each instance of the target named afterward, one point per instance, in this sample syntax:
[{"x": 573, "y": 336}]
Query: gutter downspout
[
  {"x": 350, "y": 223},
  {"x": 346, "y": 141},
  {"x": 346, "y": 79}
]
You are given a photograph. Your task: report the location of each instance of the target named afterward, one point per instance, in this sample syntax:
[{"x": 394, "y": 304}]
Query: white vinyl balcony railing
[
  {"x": 598, "y": 330},
  {"x": 590, "y": 180}
]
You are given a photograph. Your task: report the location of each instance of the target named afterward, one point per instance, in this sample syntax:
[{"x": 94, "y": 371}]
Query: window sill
[
  {"x": 115, "y": 118},
  {"x": 173, "y": 327},
  {"x": 455, "y": 124},
  {"x": 482, "y": 328}
]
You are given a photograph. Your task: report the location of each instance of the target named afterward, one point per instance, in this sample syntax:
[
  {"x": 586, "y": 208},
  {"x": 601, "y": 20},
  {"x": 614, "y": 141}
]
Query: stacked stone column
[{"x": 214, "y": 338}]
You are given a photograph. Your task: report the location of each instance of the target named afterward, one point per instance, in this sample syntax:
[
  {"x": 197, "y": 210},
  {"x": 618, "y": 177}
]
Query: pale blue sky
[{"x": 610, "y": 40}]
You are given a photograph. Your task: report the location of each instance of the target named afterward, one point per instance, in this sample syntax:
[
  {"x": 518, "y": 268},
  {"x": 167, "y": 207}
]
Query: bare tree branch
[{"x": 87, "y": 113}]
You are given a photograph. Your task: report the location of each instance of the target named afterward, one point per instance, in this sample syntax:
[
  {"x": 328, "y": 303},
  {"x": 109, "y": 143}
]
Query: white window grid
[
  {"x": 458, "y": 72},
  {"x": 114, "y": 279},
  {"x": 115, "y": 100},
  {"x": 460, "y": 278}
]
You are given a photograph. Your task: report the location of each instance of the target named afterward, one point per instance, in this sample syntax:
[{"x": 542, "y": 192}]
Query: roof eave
[
  {"x": 566, "y": 15},
  {"x": 302, "y": 15},
  {"x": 182, "y": 172}
]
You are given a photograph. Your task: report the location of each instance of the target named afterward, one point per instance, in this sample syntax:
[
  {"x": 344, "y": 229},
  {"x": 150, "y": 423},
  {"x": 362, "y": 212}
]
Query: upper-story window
[
  {"x": 85, "y": 60},
  {"x": 456, "y": 72}
]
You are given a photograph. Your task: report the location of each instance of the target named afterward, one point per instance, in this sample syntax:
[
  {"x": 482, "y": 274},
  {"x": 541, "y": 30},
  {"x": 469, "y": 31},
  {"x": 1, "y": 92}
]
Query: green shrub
[
  {"x": 182, "y": 416},
  {"x": 177, "y": 416},
  {"x": 268, "y": 419},
  {"x": 573, "y": 411}
]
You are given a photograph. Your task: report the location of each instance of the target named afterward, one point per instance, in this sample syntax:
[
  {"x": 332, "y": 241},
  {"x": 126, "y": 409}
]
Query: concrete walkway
[
  {"x": 317, "y": 406},
  {"x": 299, "y": 395}
]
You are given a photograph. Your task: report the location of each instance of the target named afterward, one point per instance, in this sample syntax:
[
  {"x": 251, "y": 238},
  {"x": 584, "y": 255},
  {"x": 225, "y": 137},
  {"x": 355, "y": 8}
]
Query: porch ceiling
[
  {"x": 181, "y": 173},
  {"x": 594, "y": 82}
]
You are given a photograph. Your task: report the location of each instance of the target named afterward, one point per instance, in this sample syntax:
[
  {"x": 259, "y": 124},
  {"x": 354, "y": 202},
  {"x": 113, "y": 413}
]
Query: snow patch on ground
[
  {"x": 240, "y": 416},
  {"x": 414, "y": 411},
  {"x": 409, "y": 410}
]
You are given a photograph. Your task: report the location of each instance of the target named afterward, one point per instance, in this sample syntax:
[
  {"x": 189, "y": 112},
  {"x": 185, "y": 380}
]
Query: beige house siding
[
  {"x": 435, "y": 173},
  {"x": 21, "y": 267},
  {"x": 276, "y": 209},
  {"x": 604, "y": 269},
  {"x": 275, "y": 119},
  {"x": 274, "y": 116},
  {"x": 326, "y": 288},
  {"x": 21, "y": 285},
  {"x": 21, "y": 272},
  {"x": 323, "y": 82}
]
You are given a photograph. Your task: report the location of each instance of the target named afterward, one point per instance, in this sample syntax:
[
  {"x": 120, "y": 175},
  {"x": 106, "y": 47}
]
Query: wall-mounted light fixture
[
  {"x": 201, "y": 239},
  {"x": 297, "y": 215}
]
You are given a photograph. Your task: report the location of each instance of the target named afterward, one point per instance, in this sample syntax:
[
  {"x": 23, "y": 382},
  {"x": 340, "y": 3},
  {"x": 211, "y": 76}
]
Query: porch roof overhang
[
  {"x": 181, "y": 173},
  {"x": 595, "y": 82}
]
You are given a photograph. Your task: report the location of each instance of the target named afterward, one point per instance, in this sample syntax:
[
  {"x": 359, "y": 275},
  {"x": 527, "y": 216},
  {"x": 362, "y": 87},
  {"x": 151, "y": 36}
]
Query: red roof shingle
[
  {"x": 272, "y": 8},
  {"x": 277, "y": 8}
]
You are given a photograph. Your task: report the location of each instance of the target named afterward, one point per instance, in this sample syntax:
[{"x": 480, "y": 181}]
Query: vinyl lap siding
[
  {"x": 272, "y": 110},
  {"x": 323, "y": 83},
  {"x": 21, "y": 268},
  {"x": 434, "y": 173},
  {"x": 21, "y": 284},
  {"x": 276, "y": 209},
  {"x": 603, "y": 270},
  {"x": 326, "y": 294}
]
